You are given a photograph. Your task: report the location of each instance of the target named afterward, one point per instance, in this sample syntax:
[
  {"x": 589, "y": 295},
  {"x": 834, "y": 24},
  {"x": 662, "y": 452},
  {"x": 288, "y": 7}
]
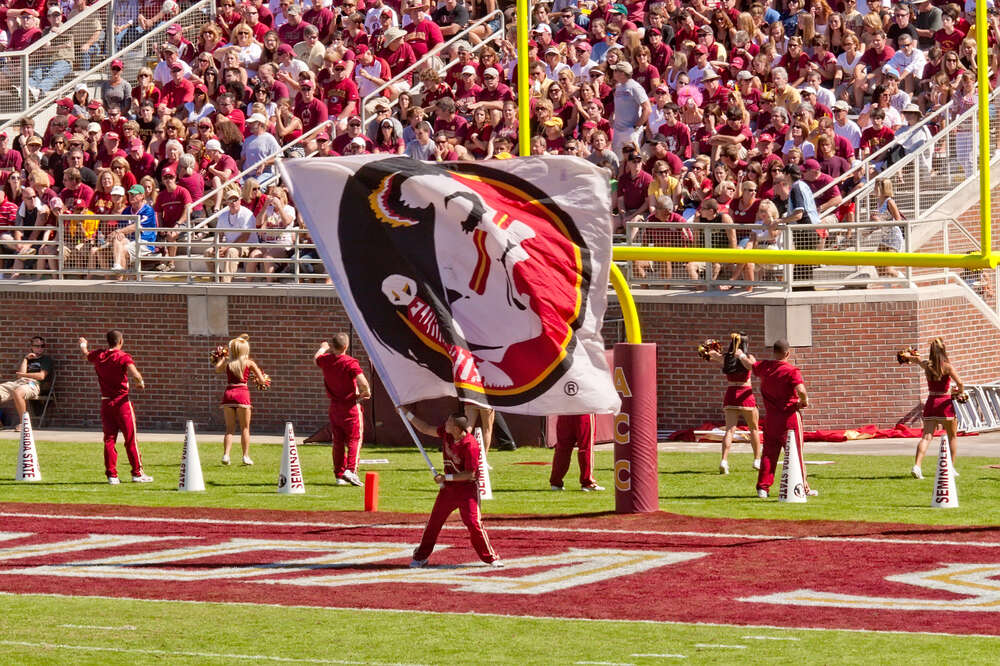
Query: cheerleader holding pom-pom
[
  {"x": 938, "y": 409},
  {"x": 739, "y": 401},
  {"x": 235, "y": 361}
]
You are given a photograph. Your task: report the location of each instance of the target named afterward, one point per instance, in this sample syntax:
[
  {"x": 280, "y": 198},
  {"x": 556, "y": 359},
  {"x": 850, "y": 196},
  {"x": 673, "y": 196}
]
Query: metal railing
[
  {"x": 256, "y": 166},
  {"x": 84, "y": 246},
  {"x": 495, "y": 35},
  {"x": 950, "y": 155},
  {"x": 870, "y": 236},
  {"x": 138, "y": 53},
  {"x": 34, "y": 71}
]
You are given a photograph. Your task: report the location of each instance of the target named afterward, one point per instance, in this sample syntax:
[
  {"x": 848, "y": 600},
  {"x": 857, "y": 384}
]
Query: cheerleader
[
  {"x": 938, "y": 409},
  {"x": 739, "y": 401},
  {"x": 236, "y": 363}
]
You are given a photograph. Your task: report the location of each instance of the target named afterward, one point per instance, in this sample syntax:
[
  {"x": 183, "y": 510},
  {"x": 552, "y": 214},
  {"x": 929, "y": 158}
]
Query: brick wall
[
  {"x": 284, "y": 333},
  {"x": 849, "y": 368}
]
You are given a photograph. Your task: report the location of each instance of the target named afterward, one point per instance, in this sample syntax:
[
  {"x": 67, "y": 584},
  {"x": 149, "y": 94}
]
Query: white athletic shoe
[
  {"x": 955, "y": 472},
  {"x": 761, "y": 493},
  {"x": 418, "y": 564},
  {"x": 142, "y": 478},
  {"x": 497, "y": 564},
  {"x": 342, "y": 482},
  {"x": 247, "y": 461},
  {"x": 724, "y": 467},
  {"x": 915, "y": 471},
  {"x": 756, "y": 463},
  {"x": 593, "y": 487},
  {"x": 118, "y": 268},
  {"x": 352, "y": 478},
  {"x": 555, "y": 487},
  {"x": 113, "y": 480},
  {"x": 225, "y": 459},
  {"x": 812, "y": 492}
]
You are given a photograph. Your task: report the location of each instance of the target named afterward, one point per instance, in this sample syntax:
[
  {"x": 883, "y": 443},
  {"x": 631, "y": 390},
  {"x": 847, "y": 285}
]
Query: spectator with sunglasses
[{"x": 34, "y": 374}]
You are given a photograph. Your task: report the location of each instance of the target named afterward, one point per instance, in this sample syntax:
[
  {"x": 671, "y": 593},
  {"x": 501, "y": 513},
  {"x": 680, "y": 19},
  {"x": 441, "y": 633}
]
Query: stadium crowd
[{"x": 700, "y": 111}]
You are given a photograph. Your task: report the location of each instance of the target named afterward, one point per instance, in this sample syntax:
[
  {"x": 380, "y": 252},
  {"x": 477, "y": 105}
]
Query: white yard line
[
  {"x": 127, "y": 627},
  {"x": 660, "y": 656},
  {"x": 719, "y": 646},
  {"x": 504, "y": 528},
  {"x": 770, "y": 638},
  {"x": 180, "y": 653},
  {"x": 541, "y": 618}
]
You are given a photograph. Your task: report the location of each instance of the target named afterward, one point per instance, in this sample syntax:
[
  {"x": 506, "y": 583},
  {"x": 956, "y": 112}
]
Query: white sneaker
[
  {"x": 756, "y": 463},
  {"x": 812, "y": 492},
  {"x": 497, "y": 564},
  {"x": 352, "y": 478},
  {"x": 555, "y": 487},
  {"x": 955, "y": 472},
  {"x": 591, "y": 488},
  {"x": 225, "y": 459},
  {"x": 418, "y": 564},
  {"x": 113, "y": 480},
  {"x": 118, "y": 268},
  {"x": 761, "y": 493},
  {"x": 247, "y": 461},
  {"x": 915, "y": 471},
  {"x": 35, "y": 93},
  {"x": 342, "y": 482},
  {"x": 724, "y": 467},
  {"x": 142, "y": 478}
]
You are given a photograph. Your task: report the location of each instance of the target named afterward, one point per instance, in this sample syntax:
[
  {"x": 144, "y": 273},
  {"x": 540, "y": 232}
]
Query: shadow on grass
[
  {"x": 42, "y": 484},
  {"x": 713, "y": 472}
]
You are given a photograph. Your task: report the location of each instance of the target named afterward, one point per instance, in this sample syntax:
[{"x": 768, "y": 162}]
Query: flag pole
[{"x": 416, "y": 439}]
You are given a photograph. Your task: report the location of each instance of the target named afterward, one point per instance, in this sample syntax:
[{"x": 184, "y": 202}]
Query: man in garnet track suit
[
  {"x": 114, "y": 367},
  {"x": 574, "y": 430},
  {"x": 784, "y": 393},
  {"x": 459, "y": 488},
  {"x": 345, "y": 385}
]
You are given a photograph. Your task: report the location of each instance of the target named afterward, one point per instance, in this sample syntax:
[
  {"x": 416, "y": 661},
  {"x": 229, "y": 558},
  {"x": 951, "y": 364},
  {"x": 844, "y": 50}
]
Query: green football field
[{"x": 36, "y": 628}]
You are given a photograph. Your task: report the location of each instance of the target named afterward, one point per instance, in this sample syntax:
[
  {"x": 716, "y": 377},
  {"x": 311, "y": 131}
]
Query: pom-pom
[
  {"x": 959, "y": 396},
  {"x": 218, "y": 353},
  {"x": 262, "y": 384},
  {"x": 907, "y": 355},
  {"x": 709, "y": 345}
]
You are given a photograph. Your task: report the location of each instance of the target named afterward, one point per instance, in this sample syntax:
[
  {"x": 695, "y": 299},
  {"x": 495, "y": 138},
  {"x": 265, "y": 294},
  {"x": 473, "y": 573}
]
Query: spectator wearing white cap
[
  {"x": 914, "y": 139},
  {"x": 632, "y": 108},
  {"x": 553, "y": 62},
  {"x": 909, "y": 62},
  {"x": 219, "y": 169},
  {"x": 238, "y": 226},
  {"x": 260, "y": 147},
  {"x": 493, "y": 95},
  {"x": 843, "y": 125}
]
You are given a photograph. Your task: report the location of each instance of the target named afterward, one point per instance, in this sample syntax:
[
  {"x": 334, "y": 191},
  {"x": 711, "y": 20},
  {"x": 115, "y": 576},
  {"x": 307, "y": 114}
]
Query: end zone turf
[{"x": 658, "y": 567}]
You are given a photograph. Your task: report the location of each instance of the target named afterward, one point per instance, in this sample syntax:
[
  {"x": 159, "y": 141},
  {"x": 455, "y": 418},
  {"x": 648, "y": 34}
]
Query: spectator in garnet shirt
[
  {"x": 292, "y": 31},
  {"x": 74, "y": 188},
  {"x": 421, "y": 34},
  {"x": 140, "y": 162},
  {"x": 178, "y": 89},
  {"x": 10, "y": 159},
  {"x": 311, "y": 111},
  {"x": 172, "y": 209},
  {"x": 342, "y": 96},
  {"x": 876, "y": 136}
]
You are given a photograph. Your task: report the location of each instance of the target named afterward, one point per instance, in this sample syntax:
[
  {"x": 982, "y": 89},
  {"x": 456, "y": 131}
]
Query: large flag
[{"x": 485, "y": 281}]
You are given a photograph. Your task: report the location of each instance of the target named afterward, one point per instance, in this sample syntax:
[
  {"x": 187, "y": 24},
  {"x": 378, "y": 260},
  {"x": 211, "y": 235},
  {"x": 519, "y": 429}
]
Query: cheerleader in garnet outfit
[
  {"x": 236, "y": 404},
  {"x": 739, "y": 401},
  {"x": 938, "y": 409}
]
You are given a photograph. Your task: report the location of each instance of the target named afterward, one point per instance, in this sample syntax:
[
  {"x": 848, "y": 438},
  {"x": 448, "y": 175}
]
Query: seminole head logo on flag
[{"x": 485, "y": 281}]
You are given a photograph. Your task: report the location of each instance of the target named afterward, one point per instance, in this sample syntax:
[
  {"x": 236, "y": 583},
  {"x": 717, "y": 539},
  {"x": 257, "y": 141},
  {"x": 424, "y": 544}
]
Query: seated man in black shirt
[{"x": 34, "y": 374}]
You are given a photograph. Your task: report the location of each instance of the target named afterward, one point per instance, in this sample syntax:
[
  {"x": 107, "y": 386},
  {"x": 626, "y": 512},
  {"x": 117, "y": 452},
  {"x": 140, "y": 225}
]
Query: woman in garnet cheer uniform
[
  {"x": 459, "y": 488},
  {"x": 739, "y": 401},
  {"x": 236, "y": 404},
  {"x": 114, "y": 367},
  {"x": 938, "y": 409}
]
